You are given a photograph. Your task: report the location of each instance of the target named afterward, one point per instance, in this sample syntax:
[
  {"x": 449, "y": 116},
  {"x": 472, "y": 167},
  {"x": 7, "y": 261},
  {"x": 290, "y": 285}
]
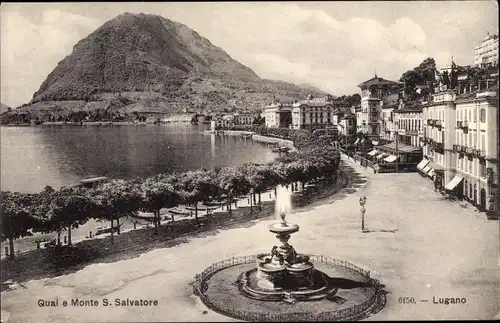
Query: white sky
[{"x": 331, "y": 45}]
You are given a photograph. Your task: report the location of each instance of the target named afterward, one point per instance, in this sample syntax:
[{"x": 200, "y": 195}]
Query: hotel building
[
  {"x": 278, "y": 115},
  {"x": 460, "y": 142},
  {"x": 486, "y": 52},
  {"x": 373, "y": 93},
  {"x": 317, "y": 113},
  {"x": 409, "y": 126}
]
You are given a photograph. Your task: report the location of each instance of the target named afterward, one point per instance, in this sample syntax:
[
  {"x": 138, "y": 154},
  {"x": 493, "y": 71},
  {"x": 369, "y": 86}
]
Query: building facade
[
  {"x": 317, "y": 113},
  {"x": 278, "y": 115},
  {"x": 475, "y": 149},
  {"x": 486, "y": 52},
  {"x": 409, "y": 127},
  {"x": 373, "y": 93},
  {"x": 460, "y": 139},
  {"x": 245, "y": 118}
]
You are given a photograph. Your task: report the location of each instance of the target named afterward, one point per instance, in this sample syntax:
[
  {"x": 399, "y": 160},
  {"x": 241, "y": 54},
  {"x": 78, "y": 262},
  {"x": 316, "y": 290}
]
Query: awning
[
  {"x": 422, "y": 164},
  {"x": 373, "y": 152},
  {"x": 426, "y": 169},
  {"x": 431, "y": 172},
  {"x": 357, "y": 141},
  {"x": 401, "y": 148},
  {"x": 453, "y": 183},
  {"x": 435, "y": 166},
  {"x": 381, "y": 155},
  {"x": 390, "y": 158}
]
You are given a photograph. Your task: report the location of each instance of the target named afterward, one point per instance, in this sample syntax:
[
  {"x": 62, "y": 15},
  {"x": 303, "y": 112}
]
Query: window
[
  {"x": 483, "y": 142},
  {"x": 482, "y": 170},
  {"x": 482, "y": 115}
]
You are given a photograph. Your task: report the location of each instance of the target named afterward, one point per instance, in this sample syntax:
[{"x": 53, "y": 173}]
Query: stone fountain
[
  {"x": 284, "y": 274},
  {"x": 337, "y": 289}
]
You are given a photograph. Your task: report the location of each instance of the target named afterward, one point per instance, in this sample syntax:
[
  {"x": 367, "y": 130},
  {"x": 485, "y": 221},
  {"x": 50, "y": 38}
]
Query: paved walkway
[{"x": 421, "y": 246}]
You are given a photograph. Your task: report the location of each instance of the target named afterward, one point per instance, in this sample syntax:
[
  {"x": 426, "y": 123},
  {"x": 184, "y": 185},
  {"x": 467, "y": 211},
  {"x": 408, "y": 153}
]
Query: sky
[{"x": 331, "y": 45}]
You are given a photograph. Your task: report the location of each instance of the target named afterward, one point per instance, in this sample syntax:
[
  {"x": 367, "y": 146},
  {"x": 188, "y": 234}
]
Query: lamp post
[{"x": 362, "y": 202}]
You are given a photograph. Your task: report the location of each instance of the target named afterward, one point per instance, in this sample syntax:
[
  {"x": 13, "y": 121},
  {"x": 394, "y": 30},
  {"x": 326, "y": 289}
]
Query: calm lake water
[{"x": 33, "y": 157}]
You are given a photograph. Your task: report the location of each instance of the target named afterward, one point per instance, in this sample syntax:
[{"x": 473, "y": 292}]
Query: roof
[
  {"x": 412, "y": 109},
  {"x": 377, "y": 81},
  {"x": 402, "y": 148},
  {"x": 423, "y": 87}
]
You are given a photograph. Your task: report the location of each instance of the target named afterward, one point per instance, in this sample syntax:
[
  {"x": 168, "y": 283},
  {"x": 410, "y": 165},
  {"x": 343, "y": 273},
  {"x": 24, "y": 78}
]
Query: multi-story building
[
  {"x": 460, "y": 142},
  {"x": 389, "y": 105},
  {"x": 439, "y": 118},
  {"x": 409, "y": 126},
  {"x": 244, "y": 118},
  {"x": 317, "y": 113},
  {"x": 486, "y": 52},
  {"x": 278, "y": 115},
  {"x": 373, "y": 92},
  {"x": 347, "y": 125},
  {"x": 475, "y": 149}
]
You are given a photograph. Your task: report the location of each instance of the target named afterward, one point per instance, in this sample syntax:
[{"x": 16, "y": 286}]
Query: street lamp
[{"x": 362, "y": 202}]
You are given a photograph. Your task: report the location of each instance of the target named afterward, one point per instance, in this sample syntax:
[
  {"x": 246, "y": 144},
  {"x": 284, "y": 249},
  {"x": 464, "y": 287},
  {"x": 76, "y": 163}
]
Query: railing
[
  {"x": 401, "y": 167},
  {"x": 342, "y": 314},
  {"x": 363, "y": 161}
]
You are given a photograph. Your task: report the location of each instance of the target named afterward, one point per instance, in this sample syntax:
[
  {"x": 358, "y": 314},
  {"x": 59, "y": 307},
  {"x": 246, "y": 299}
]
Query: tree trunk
[
  {"x": 229, "y": 206},
  {"x": 155, "y": 220},
  {"x": 118, "y": 226},
  {"x": 196, "y": 212},
  {"x": 260, "y": 203},
  {"x": 172, "y": 215},
  {"x": 254, "y": 198},
  {"x": 250, "y": 200},
  {"x": 303, "y": 186},
  {"x": 112, "y": 232},
  {"x": 12, "y": 254},
  {"x": 275, "y": 190},
  {"x": 58, "y": 238},
  {"x": 69, "y": 235}
]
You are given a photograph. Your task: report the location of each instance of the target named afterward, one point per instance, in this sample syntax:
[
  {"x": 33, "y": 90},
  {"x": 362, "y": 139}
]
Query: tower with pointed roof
[{"x": 373, "y": 93}]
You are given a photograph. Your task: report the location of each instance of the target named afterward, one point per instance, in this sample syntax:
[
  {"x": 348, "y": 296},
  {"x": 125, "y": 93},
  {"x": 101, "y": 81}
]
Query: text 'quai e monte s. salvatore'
[{"x": 77, "y": 302}]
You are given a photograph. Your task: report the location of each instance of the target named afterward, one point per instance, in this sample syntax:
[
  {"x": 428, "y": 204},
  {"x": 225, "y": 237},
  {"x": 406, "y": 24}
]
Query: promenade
[{"x": 419, "y": 246}]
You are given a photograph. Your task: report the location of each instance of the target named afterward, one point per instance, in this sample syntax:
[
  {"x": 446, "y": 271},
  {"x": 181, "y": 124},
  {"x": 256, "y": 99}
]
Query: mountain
[
  {"x": 142, "y": 62},
  {"x": 3, "y": 108}
]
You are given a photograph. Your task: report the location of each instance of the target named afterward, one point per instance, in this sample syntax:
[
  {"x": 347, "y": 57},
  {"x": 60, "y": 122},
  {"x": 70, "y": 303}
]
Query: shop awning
[
  {"x": 436, "y": 166},
  {"x": 373, "y": 152},
  {"x": 390, "y": 158},
  {"x": 422, "y": 164},
  {"x": 400, "y": 148},
  {"x": 426, "y": 169},
  {"x": 381, "y": 155},
  {"x": 453, "y": 183}
]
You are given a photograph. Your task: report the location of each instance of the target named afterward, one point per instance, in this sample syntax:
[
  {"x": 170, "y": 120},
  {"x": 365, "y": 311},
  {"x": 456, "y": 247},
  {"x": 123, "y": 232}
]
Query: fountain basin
[{"x": 280, "y": 228}]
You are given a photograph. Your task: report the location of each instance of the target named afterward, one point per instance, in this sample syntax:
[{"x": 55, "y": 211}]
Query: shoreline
[{"x": 43, "y": 263}]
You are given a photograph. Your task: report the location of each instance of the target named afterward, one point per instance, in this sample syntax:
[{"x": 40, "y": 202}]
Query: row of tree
[{"x": 69, "y": 207}]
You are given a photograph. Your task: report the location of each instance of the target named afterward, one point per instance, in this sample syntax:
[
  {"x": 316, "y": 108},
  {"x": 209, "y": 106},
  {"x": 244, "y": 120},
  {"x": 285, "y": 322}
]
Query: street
[{"x": 418, "y": 245}]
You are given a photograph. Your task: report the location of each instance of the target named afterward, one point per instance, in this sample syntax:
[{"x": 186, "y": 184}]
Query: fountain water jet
[{"x": 283, "y": 203}]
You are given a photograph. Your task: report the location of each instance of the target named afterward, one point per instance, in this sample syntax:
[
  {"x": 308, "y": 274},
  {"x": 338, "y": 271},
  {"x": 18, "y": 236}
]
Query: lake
[{"x": 58, "y": 155}]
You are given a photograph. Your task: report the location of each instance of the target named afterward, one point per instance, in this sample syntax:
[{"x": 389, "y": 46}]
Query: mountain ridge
[{"x": 144, "y": 62}]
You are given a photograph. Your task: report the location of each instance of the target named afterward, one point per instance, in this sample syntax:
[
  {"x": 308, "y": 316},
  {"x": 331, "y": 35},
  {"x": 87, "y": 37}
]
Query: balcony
[
  {"x": 459, "y": 124},
  {"x": 465, "y": 124},
  {"x": 430, "y": 122}
]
